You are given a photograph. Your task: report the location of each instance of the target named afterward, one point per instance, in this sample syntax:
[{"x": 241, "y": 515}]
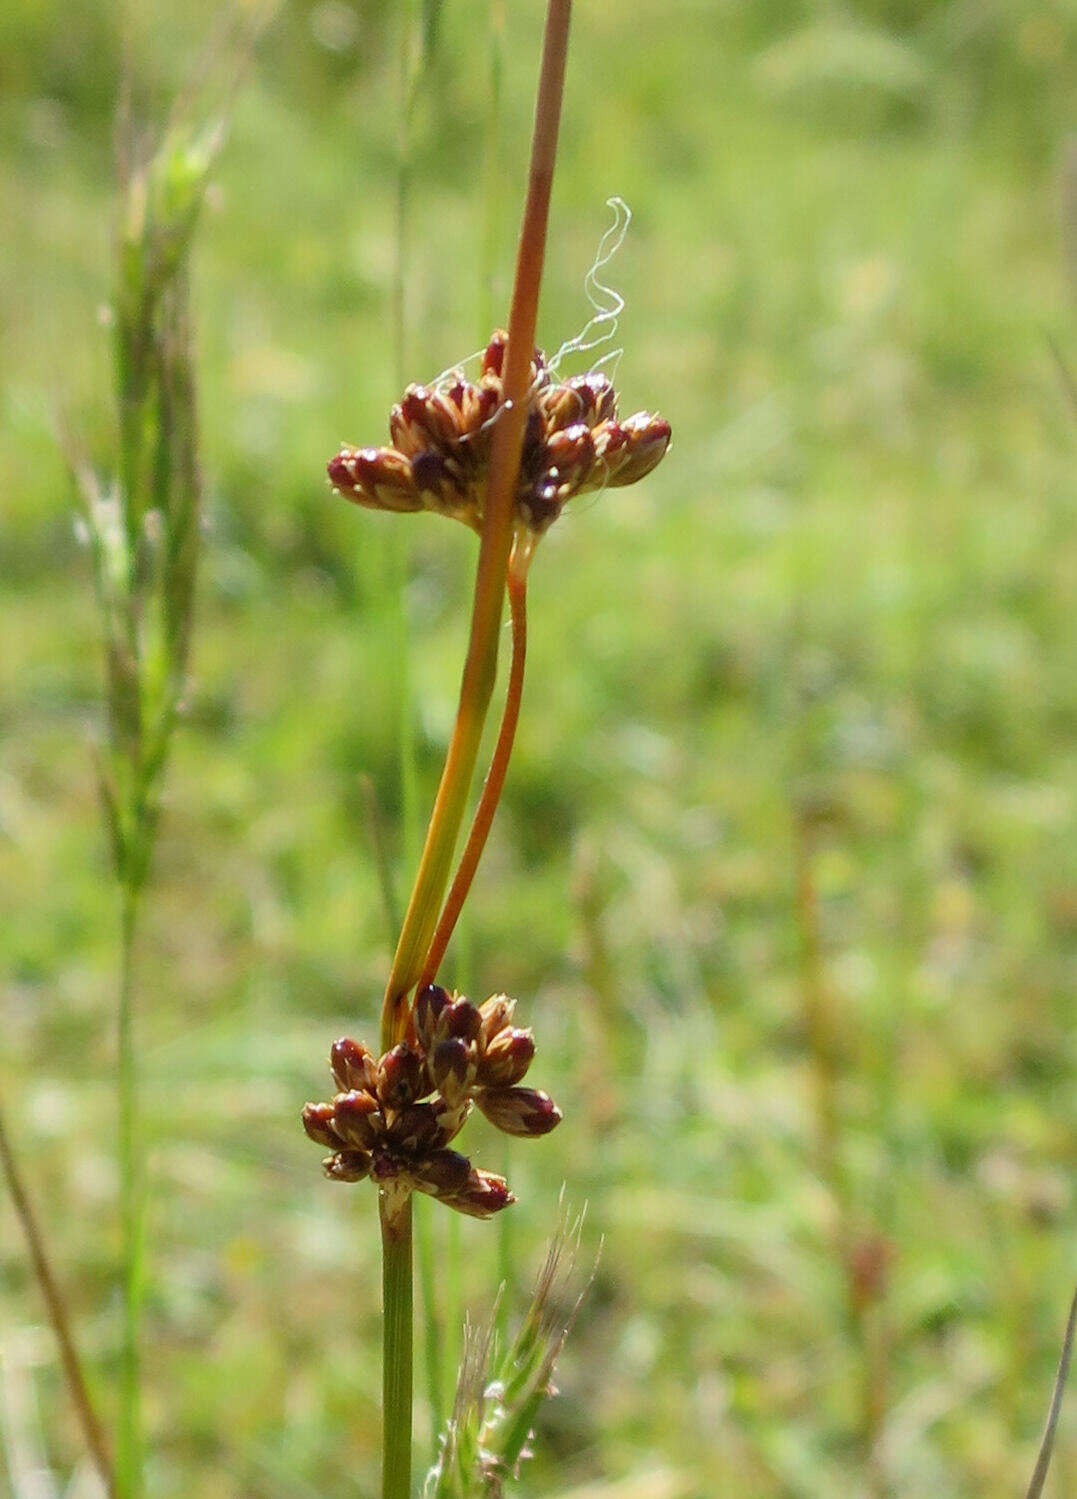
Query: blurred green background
[{"x": 833, "y": 638}]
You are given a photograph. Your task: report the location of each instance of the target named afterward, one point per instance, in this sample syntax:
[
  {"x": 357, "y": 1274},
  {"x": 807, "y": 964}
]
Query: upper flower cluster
[
  {"x": 441, "y": 439},
  {"x": 395, "y": 1116}
]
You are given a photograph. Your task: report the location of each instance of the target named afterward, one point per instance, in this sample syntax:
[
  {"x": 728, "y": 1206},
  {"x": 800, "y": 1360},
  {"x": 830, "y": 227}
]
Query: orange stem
[
  {"x": 480, "y": 667},
  {"x": 499, "y": 764}
]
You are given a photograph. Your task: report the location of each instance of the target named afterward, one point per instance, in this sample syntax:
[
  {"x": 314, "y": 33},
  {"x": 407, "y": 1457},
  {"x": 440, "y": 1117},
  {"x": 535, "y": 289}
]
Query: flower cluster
[
  {"x": 395, "y": 1117},
  {"x": 441, "y": 438}
]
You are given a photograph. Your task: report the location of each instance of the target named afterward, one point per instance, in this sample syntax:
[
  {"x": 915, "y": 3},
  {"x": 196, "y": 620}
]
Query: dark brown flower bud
[
  {"x": 597, "y": 397},
  {"x": 318, "y": 1123},
  {"x": 450, "y": 1067},
  {"x": 561, "y": 405},
  {"x": 520, "y": 1111},
  {"x": 495, "y": 1013},
  {"x": 479, "y": 404},
  {"x": 347, "y": 1166},
  {"x": 431, "y": 476},
  {"x": 506, "y": 1059},
  {"x": 451, "y": 1117},
  {"x": 384, "y": 1167},
  {"x": 400, "y": 1077},
  {"x": 493, "y": 360},
  {"x": 460, "y": 1019},
  {"x": 640, "y": 447},
  {"x": 482, "y": 1195},
  {"x": 352, "y": 1065},
  {"x": 429, "y": 1003},
  {"x": 442, "y": 1173},
  {"x": 569, "y": 458},
  {"x": 357, "y": 1119},
  {"x": 417, "y": 1129},
  {"x": 379, "y": 478}
]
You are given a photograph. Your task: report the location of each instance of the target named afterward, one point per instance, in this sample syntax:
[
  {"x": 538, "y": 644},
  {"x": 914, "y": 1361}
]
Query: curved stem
[
  {"x": 58, "y": 1316},
  {"x": 480, "y": 667},
  {"x": 396, "y": 1350},
  {"x": 499, "y": 764}
]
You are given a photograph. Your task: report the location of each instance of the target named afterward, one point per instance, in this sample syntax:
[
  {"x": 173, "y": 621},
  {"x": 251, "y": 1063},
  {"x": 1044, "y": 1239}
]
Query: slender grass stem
[
  {"x": 865, "y": 1312},
  {"x": 59, "y": 1316},
  {"x": 396, "y": 1241},
  {"x": 499, "y": 764},
  {"x": 480, "y": 667},
  {"x": 129, "y": 1435},
  {"x": 409, "y": 74},
  {"x": 433, "y": 1327}
]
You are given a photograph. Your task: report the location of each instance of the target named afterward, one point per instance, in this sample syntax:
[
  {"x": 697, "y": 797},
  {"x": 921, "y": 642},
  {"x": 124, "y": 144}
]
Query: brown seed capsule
[
  {"x": 451, "y": 1067},
  {"x": 506, "y": 1059},
  {"x": 451, "y": 1117},
  {"x": 639, "y": 446},
  {"x": 347, "y": 1166},
  {"x": 520, "y": 1111},
  {"x": 597, "y": 397},
  {"x": 460, "y": 1019},
  {"x": 356, "y": 1119},
  {"x": 442, "y": 1173},
  {"x": 416, "y": 1129},
  {"x": 379, "y": 478},
  {"x": 496, "y": 1013},
  {"x": 429, "y": 1003},
  {"x": 400, "y": 1077},
  {"x": 482, "y": 1195},
  {"x": 352, "y": 1065},
  {"x": 385, "y": 1167},
  {"x": 318, "y": 1123}
]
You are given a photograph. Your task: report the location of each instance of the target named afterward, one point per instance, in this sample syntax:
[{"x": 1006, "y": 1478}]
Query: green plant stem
[
  {"x": 499, "y": 765},
  {"x": 396, "y": 1239},
  {"x": 129, "y": 1435},
  {"x": 399, "y": 551},
  {"x": 480, "y": 667},
  {"x": 433, "y": 1328},
  {"x": 59, "y": 1316}
]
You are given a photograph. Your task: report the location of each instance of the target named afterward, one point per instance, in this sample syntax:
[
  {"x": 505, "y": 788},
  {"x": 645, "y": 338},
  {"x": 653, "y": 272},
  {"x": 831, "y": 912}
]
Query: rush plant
[{"x": 503, "y": 454}]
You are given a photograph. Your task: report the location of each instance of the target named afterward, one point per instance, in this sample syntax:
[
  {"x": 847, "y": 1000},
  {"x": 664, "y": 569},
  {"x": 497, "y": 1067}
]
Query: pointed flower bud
[
  {"x": 357, "y": 1120},
  {"x": 400, "y": 1077},
  {"x": 460, "y": 1019},
  {"x": 519, "y": 1111},
  {"x": 482, "y": 1195},
  {"x": 347, "y": 1166},
  {"x": 352, "y": 1065},
  {"x": 450, "y": 1068},
  {"x": 429, "y": 1003},
  {"x": 318, "y": 1123},
  {"x": 442, "y": 1173},
  {"x": 496, "y": 1013},
  {"x": 506, "y": 1059}
]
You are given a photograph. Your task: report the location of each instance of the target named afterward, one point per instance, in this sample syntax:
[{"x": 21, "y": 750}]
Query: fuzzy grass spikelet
[{"x": 498, "y": 1398}]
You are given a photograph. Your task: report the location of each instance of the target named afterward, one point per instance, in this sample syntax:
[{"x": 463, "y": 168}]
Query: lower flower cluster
[{"x": 395, "y": 1116}]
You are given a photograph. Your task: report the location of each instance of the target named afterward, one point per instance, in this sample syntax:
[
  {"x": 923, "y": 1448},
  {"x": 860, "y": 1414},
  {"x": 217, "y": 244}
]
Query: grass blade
[{"x": 1043, "y": 1460}]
